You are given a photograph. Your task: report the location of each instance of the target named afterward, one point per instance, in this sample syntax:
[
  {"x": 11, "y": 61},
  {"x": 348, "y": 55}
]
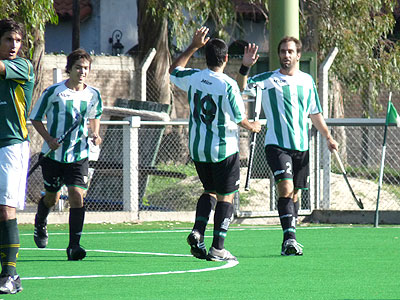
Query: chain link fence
[
  {"x": 361, "y": 153},
  {"x": 164, "y": 177},
  {"x": 167, "y": 179}
]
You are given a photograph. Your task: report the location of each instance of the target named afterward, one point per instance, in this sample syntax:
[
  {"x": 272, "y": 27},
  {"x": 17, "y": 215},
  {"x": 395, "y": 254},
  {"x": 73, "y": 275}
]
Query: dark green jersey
[{"x": 16, "y": 88}]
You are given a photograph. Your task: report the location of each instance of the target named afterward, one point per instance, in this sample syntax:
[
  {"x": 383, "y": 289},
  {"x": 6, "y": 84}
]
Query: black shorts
[
  {"x": 289, "y": 164},
  {"x": 222, "y": 177},
  {"x": 56, "y": 174}
]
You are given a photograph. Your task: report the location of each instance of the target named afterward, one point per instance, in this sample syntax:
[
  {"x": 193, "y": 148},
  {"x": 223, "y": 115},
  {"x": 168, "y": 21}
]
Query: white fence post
[
  {"x": 57, "y": 75},
  {"x": 325, "y": 157},
  {"x": 143, "y": 72},
  {"x": 131, "y": 165}
]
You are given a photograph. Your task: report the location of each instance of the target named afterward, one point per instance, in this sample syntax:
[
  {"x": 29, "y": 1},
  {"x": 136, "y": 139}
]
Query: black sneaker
[
  {"x": 10, "y": 284},
  {"x": 40, "y": 235},
  {"x": 197, "y": 247},
  {"x": 76, "y": 253}
]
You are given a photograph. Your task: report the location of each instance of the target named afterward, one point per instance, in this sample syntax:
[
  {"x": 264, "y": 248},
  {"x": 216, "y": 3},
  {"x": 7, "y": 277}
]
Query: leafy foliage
[
  {"x": 367, "y": 58},
  {"x": 359, "y": 28},
  {"x": 33, "y": 14},
  {"x": 185, "y": 16}
]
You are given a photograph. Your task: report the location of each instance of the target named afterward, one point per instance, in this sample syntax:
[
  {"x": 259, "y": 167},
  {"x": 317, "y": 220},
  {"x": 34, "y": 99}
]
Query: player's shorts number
[{"x": 208, "y": 108}]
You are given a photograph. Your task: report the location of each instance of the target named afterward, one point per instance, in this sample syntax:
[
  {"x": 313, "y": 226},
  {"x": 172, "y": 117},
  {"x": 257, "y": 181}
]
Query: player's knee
[
  {"x": 50, "y": 199},
  {"x": 286, "y": 189}
]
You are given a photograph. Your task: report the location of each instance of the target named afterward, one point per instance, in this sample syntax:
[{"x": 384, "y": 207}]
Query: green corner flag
[{"x": 392, "y": 115}]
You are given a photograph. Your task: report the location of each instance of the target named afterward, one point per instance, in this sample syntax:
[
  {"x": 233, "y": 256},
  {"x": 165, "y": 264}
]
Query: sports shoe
[
  {"x": 197, "y": 247},
  {"x": 220, "y": 255},
  {"x": 10, "y": 284},
  {"x": 76, "y": 253},
  {"x": 40, "y": 235},
  {"x": 291, "y": 247}
]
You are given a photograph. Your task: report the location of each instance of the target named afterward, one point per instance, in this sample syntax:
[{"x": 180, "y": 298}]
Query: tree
[
  {"x": 34, "y": 15},
  {"x": 360, "y": 29},
  {"x": 153, "y": 33},
  {"x": 366, "y": 62},
  {"x": 161, "y": 21}
]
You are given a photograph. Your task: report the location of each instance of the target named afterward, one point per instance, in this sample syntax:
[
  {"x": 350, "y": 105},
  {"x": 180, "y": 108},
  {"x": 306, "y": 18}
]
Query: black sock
[
  {"x": 296, "y": 210},
  {"x": 9, "y": 247},
  {"x": 286, "y": 214},
  {"x": 204, "y": 206},
  {"x": 222, "y": 219},
  {"x": 76, "y": 219},
  {"x": 42, "y": 213}
]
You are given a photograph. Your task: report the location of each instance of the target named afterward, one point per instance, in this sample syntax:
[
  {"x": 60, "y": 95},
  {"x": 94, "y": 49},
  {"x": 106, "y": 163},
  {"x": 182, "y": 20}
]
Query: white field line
[
  {"x": 229, "y": 264},
  {"x": 113, "y": 251},
  {"x": 183, "y": 230}
]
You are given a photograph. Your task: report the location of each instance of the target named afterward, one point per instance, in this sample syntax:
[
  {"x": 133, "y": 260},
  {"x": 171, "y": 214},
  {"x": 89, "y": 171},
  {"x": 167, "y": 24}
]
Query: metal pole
[
  {"x": 76, "y": 25},
  {"x": 144, "y": 66},
  {"x": 376, "y": 223},
  {"x": 283, "y": 21},
  {"x": 131, "y": 166},
  {"x": 323, "y": 89}
]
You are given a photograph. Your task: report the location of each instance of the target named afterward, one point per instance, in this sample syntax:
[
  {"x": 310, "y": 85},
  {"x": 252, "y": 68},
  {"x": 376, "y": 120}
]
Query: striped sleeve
[
  {"x": 181, "y": 77},
  {"x": 96, "y": 108},
  {"x": 236, "y": 103},
  {"x": 315, "y": 106}
]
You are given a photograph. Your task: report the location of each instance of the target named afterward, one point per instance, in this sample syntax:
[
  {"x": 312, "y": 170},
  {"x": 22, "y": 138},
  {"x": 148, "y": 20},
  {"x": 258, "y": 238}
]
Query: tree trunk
[
  {"x": 336, "y": 109},
  {"x": 37, "y": 62},
  {"x": 153, "y": 33}
]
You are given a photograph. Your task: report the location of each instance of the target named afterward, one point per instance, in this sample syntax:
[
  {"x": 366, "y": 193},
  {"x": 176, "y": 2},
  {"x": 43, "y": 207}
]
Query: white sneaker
[
  {"x": 220, "y": 255},
  {"x": 291, "y": 247}
]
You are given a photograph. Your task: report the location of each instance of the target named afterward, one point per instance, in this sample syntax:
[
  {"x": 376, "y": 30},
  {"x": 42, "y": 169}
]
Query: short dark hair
[
  {"x": 287, "y": 39},
  {"x": 216, "y": 51},
  {"x": 75, "y": 56},
  {"x": 7, "y": 25}
]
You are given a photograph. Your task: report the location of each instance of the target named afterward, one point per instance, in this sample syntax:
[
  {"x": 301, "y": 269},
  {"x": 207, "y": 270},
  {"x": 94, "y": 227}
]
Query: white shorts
[{"x": 14, "y": 161}]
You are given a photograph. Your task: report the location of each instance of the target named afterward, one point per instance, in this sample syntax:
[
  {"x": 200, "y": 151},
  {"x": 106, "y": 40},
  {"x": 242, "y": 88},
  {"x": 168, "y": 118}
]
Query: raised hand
[
  {"x": 250, "y": 55},
  {"x": 200, "y": 37}
]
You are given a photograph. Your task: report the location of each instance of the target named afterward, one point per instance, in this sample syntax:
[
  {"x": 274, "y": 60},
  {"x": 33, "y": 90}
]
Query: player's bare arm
[
  {"x": 250, "y": 57},
  {"x": 95, "y": 128},
  {"x": 51, "y": 141},
  {"x": 319, "y": 123},
  {"x": 199, "y": 40},
  {"x": 251, "y": 126}
]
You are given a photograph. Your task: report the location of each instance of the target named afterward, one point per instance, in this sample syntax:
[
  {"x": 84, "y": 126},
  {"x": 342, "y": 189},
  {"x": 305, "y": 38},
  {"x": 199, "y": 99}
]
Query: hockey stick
[
  {"x": 257, "y": 111},
  {"x": 358, "y": 201},
  {"x": 78, "y": 119}
]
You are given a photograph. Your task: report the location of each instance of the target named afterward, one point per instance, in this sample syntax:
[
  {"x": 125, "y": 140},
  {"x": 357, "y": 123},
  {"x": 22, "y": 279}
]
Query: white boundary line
[
  {"x": 229, "y": 264},
  {"x": 184, "y": 230}
]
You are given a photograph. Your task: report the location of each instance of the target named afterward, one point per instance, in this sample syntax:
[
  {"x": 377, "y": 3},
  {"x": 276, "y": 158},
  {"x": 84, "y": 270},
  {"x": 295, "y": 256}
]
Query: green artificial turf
[{"x": 152, "y": 261}]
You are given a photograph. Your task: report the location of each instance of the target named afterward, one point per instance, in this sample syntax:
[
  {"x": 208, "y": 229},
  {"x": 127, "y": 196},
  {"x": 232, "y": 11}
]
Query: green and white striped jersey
[
  {"x": 59, "y": 105},
  {"x": 287, "y": 102},
  {"x": 15, "y": 100},
  {"x": 216, "y": 107}
]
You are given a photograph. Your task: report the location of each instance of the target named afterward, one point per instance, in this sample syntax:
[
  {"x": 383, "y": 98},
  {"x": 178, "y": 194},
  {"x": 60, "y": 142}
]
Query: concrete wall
[{"x": 107, "y": 15}]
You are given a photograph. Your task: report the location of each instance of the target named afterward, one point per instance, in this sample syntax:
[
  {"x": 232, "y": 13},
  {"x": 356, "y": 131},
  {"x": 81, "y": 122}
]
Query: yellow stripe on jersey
[
  {"x": 20, "y": 106},
  {"x": 11, "y": 264},
  {"x": 10, "y": 246}
]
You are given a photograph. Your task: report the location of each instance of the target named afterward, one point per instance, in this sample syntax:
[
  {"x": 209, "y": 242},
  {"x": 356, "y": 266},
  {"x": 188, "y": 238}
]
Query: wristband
[{"x": 244, "y": 70}]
